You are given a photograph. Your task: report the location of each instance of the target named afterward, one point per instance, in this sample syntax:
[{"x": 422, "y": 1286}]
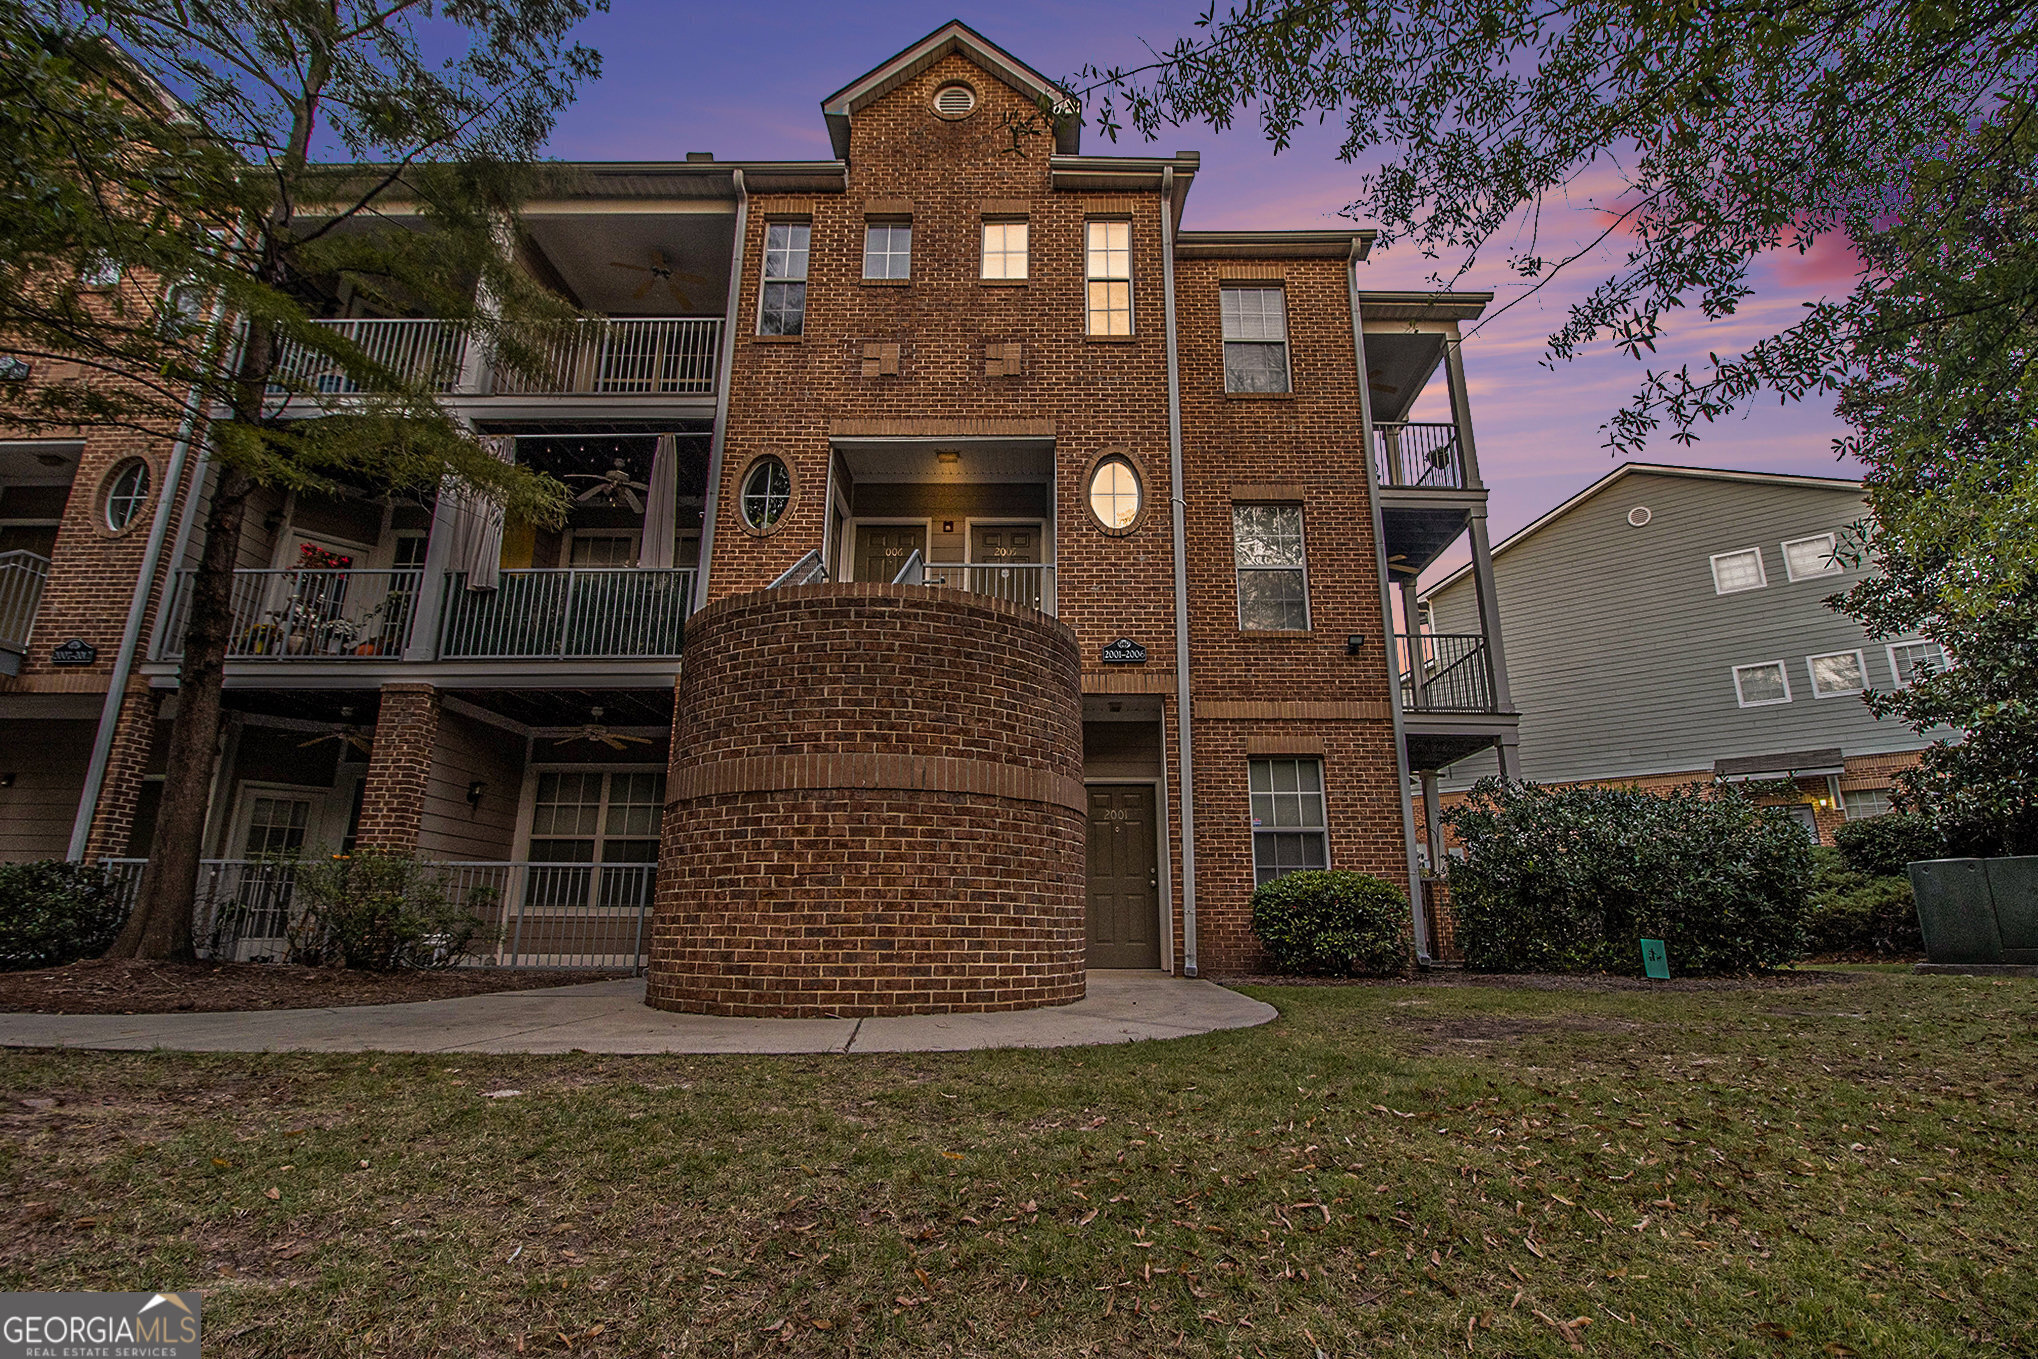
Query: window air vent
[
  {"x": 955, "y": 101},
  {"x": 1639, "y": 516}
]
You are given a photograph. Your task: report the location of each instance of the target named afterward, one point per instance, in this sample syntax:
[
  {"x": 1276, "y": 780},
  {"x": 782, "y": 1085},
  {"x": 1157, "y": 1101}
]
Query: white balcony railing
[
  {"x": 633, "y": 356},
  {"x": 646, "y": 356},
  {"x": 426, "y": 352},
  {"x": 1028, "y": 583},
  {"x": 565, "y": 915},
  {"x": 566, "y": 613},
  {"x": 22, "y": 576},
  {"x": 308, "y": 614}
]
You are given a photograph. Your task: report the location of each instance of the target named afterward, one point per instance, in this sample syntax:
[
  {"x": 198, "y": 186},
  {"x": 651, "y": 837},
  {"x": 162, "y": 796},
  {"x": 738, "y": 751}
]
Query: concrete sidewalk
[{"x": 1121, "y": 1007}]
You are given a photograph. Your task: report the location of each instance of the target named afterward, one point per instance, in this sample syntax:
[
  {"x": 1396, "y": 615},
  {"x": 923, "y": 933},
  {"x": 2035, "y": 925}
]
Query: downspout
[
  {"x": 1175, "y": 497},
  {"x": 137, "y": 610},
  {"x": 1422, "y": 943},
  {"x": 718, "y": 438}
]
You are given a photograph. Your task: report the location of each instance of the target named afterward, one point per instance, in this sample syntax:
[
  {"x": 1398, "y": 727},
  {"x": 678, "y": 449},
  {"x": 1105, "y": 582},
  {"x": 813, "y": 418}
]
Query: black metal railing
[
  {"x": 1420, "y": 455},
  {"x": 1445, "y": 672}
]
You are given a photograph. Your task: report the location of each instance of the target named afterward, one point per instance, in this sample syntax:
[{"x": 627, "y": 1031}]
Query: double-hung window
[
  {"x": 1288, "y": 823},
  {"x": 1837, "y": 674},
  {"x": 888, "y": 250},
  {"x": 783, "y": 310},
  {"x": 1255, "y": 339},
  {"x": 1004, "y": 255},
  {"x": 1862, "y": 803},
  {"x": 1758, "y": 686},
  {"x": 1273, "y": 576},
  {"x": 1107, "y": 272},
  {"x": 1912, "y": 661}
]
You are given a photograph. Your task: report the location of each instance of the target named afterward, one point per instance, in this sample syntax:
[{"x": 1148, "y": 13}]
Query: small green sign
[{"x": 1656, "y": 959}]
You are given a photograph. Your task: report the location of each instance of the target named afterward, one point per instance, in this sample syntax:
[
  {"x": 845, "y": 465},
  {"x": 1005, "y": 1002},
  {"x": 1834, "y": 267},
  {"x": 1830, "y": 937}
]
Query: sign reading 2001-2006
[{"x": 1124, "y": 651}]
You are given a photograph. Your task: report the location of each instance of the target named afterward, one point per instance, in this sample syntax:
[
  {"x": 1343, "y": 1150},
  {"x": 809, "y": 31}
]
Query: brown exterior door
[
  {"x": 1124, "y": 879},
  {"x": 882, "y": 549},
  {"x": 991, "y": 544}
]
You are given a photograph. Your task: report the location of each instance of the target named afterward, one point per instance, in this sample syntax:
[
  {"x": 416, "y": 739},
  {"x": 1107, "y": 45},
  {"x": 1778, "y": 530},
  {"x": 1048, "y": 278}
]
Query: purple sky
[{"x": 746, "y": 81}]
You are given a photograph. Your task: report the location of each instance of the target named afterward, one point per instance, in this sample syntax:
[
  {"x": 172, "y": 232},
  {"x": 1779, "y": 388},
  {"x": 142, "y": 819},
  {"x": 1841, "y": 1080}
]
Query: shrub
[
  {"x": 1571, "y": 879},
  {"x": 1337, "y": 923},
  {"x": 53, "y": 913},
  {"x": 1856, "y": 912},
  {"x": 377, "y": 911},
  {"x": 1881, "y": 846}
]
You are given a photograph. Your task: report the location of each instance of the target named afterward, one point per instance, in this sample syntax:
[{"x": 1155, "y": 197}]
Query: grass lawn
[{"x": 1840, "y": 1166}]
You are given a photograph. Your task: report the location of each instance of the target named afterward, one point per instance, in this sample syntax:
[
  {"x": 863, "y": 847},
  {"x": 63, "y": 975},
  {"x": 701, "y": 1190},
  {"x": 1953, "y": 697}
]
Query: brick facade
[
  {"x": 876, "y": 799},
  {"x": 399, "y": 767},
  {"x": 127, "y": 763}
]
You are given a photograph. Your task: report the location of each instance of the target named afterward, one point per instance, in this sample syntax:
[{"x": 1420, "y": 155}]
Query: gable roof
[
  {"x": 952, "y": 37},
  {"x": 1658, "y": 469}
]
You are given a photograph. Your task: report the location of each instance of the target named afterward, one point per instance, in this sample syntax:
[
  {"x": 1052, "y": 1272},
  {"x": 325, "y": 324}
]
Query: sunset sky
[{"x": 746, "y": 80}]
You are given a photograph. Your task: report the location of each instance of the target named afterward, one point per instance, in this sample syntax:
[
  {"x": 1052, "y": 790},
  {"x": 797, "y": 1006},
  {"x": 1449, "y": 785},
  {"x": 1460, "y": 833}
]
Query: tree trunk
[{"x": 160, "y": 928}]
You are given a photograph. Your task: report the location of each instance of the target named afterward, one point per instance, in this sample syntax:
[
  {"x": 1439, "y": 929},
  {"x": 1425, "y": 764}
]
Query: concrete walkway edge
[{"x": 611, "y": 1017}]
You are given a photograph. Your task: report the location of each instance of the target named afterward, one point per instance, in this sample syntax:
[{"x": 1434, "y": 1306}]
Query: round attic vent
[
  {"x": 1639, "y": 516},
  {"x": 955, "y": 101}
]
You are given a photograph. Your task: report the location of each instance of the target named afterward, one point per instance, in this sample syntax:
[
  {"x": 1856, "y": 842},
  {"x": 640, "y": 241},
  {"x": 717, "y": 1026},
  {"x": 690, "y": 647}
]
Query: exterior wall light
[{"x": 1354, "y": 644}]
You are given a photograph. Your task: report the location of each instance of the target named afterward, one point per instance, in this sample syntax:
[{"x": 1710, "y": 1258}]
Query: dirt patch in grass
[{"x": 126, "y": 987}]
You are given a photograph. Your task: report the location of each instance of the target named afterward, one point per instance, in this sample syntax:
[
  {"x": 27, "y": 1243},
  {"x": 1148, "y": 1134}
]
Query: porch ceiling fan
[
  {"x": 1380, "y": 386},
  {"x": 593, "y": 730},
  {"x": 657, "y": 272},
  {"x": 614, "y": 485},
  {"x": 360, "y": 738}
]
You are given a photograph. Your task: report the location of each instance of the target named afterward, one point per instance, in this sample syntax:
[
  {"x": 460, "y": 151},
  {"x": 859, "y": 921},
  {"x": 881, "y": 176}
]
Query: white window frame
[
  {"x": 1781, "y": 667},
  {"x": 1005, "y": 253},
  {"x": 765, "y": 280},
  {"x": 1832, "y": 542},
  {"x": 1860, "y": 663},
  {"x": 1761, "y": 571},
  {"x": 1848, "y": 811},
  {"x": 527, "y": 804},
  {"x": 1287, "y": 348},
  {"x": 1322, "y": 796},
  {"x": 1896, "y": 673},
  {"x": 1238, "y": 571},
  {"x": 888, "y": 225},
  {"x": 1091, "y": 278}
]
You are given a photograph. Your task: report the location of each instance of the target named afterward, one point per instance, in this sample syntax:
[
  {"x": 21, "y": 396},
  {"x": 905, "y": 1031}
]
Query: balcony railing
[
  {"x": 425, "y": 352},
  {"x": 1445, "y": 672},
  {"x": 22, "y": 576},
  {"x": 654, "y": 356},
  {"x": 1427, "y": 456},
  {"x": 573, "y": 612},
  {"x": 1028, "y": 583},
  {"x": 636, "y": 356},
  {"x": 308, "y": 614},
  {"x": 565, "y": 915}
]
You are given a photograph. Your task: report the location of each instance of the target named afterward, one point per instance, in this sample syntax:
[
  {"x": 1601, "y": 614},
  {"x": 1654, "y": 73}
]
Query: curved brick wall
[{"x": 876, "y": 807}]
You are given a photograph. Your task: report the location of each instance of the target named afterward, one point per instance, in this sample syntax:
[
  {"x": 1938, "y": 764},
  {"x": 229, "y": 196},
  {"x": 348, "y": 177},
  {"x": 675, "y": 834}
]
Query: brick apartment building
[{"x": 1040, "y": 565}]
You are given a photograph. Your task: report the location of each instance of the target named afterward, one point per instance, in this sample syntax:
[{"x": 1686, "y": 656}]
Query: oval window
[
  {"x": 767, "y": 490},
  {"x": 1115, "y": 493},
  {"x": 126, "y": 492}
]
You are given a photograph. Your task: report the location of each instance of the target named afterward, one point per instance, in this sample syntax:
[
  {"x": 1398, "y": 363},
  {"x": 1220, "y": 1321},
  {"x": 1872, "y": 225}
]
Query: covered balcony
[
  {"x": 616, "y": 357},
  {"x": 35, "y": 487}
]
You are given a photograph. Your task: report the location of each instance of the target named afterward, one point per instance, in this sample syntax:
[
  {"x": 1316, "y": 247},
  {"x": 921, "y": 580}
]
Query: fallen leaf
[
  {"x": 1773, "y": 1330},
  {"x": 1087, "y": 1218},
  {"x": 221, "y": 1161},
  {"x": 951, "y": 1156},
  {"x": 272, "y": 1192},
  {"x": 500, "y": 1094},
  {"x": 1534, "y": 1249}
]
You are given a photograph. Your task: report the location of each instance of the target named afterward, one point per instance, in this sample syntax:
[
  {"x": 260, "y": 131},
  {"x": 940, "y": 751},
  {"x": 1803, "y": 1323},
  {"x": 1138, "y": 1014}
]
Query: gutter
[
  {"x": 719, "y": 438},
  {"x": 1422, "y": 942},
  {"x": 137, "y": 610},
  {"x": 1179, "y": 507}
]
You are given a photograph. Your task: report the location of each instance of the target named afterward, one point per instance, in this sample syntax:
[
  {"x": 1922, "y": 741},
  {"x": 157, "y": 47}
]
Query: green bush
[
  {"x": 1856, "y": 912},
  {"x": 377, "y": 911},
  {"x": 53, "y": 913},
  {"x": 1881, "y": 846},
  {"x": 1336, "y": 923},
  {"x": 1571, "y": 879}
]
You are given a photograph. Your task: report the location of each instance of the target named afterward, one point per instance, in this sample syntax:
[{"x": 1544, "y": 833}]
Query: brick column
[
  {"x": 134, "y": 731},
  {"x": 392, "y": 805}
]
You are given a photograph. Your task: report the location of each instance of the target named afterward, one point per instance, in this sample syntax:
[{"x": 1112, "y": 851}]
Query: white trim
[
  {"x": 984, "y": 225},
  {"x": 764, "y": 281},
  {"x": 528, "y": 808},
  {"x": 1761, "y": 571},
  {"x": 1238, "y": 601},
  {"x": 1131, "y": 295},
  {"x": 1651, "y": 469},
  {"x": 1860, "y": 663},
  {"x": 1781, "y": 667},
  {"x": 1323, "y": 795},
  {"x": 1287, "y": 341},
  {"x": 1832, "y": 539},
  {"x": 1162, "y": 860},
  {"x": 316, "y": 821},
  {"x": 1897, "y": 676}
]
